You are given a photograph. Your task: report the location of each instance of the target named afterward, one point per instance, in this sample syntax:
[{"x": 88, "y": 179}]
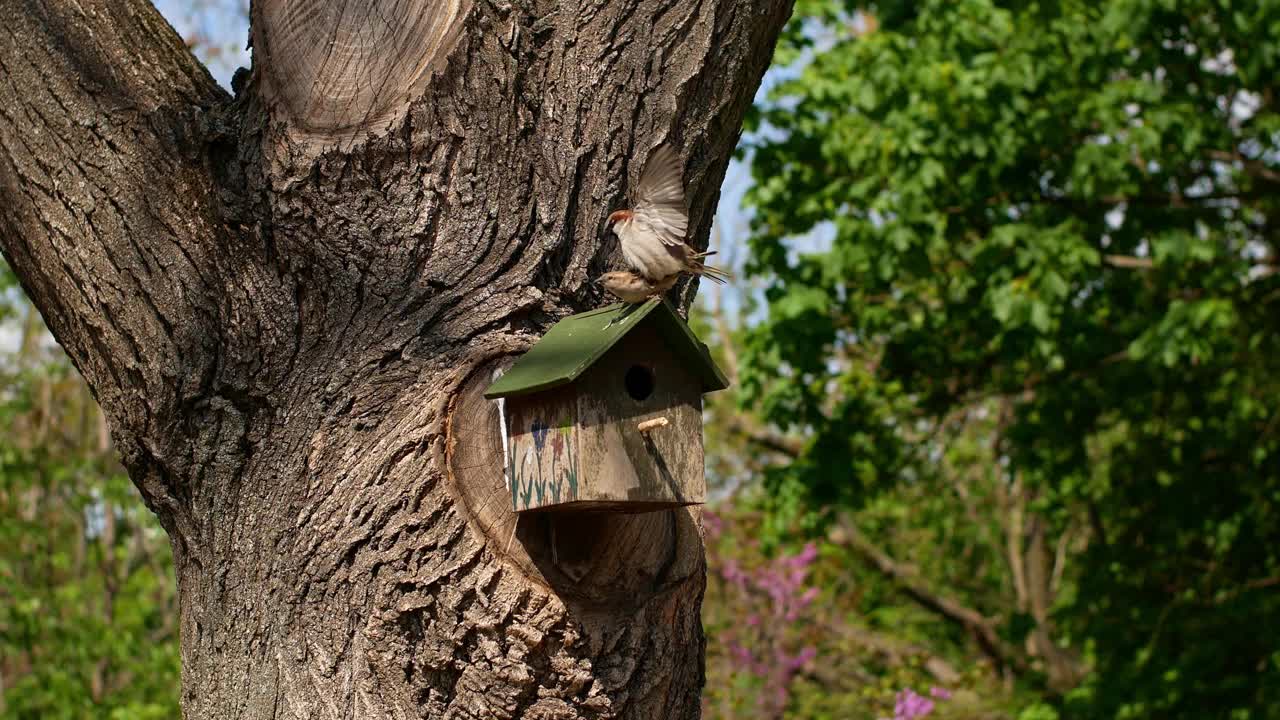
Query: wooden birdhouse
[{"x": 605, "y": 413}]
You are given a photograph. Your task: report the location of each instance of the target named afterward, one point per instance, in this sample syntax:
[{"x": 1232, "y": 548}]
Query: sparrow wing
[{"x": 659, "y": 202}]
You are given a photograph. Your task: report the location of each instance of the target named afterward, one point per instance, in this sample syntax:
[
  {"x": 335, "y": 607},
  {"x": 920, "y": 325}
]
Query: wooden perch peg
[{"x": 653, "y": 424}]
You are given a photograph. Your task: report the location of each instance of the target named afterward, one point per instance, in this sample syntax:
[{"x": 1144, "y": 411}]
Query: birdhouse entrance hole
[{"x": 639, "y": 382}]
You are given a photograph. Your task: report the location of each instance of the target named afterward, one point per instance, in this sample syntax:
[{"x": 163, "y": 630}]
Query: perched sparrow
[
  {"x": 632, "y": 287},
  {"x": 652, "y": 231}
]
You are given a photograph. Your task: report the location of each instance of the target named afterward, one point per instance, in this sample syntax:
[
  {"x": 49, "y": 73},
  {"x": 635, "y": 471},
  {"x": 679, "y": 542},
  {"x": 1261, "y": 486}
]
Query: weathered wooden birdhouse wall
[
  {"x": 543, "y": 460},
  {"x": 640, "y": 380},
  {"x": 625, "y": 434}
]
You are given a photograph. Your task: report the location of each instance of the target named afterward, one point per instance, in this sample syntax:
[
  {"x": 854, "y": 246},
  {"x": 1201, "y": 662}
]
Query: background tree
[
  {"x": 1057, "y": 221},
  {"x": 278, "y": 298},
  {"x": 88, "y": 611}
]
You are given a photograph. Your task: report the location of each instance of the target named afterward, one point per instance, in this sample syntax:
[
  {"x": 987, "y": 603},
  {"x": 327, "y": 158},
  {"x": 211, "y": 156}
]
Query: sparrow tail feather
[{"x": 710, "y": 272}]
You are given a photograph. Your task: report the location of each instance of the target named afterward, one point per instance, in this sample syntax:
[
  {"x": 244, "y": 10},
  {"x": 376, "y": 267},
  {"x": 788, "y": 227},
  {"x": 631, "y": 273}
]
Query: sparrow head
[
  {"x": 620, "y": 279},
  {"x": 626, "y": 286},
  {"x": 619, "y": 216}
]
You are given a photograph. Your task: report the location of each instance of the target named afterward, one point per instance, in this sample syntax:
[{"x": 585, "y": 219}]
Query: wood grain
[{"x": 334, "y": 69}]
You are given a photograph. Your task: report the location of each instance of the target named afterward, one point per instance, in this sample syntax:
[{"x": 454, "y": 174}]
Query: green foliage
[
  {"x": 8, "y": 291},
  {"x": 1063, "y": 214},
  {"x": 866, "y": 647},
  {"x": 88, "y": 615}
]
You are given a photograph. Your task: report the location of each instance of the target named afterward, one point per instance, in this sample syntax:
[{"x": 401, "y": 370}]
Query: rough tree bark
[{"x": 281, "y": 299}]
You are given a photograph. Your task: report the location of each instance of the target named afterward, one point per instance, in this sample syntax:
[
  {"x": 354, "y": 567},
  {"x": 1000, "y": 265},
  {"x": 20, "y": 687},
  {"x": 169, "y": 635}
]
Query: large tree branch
[
  {"x": 518, "y": 126},
  {"x": 1257, "y": 168},
  {"x": 1062, "y": 666},
  {"x": 765, "y": 438},
  {"x": 981, "y": 628},
  {"x": 106, "y": 214}
]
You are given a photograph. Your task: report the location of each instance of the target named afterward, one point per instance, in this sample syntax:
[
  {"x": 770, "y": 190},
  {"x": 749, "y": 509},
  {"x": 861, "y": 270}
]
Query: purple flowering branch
[
  {"x": 775, "y": 598},
  {"x": 909, "y": 705}
]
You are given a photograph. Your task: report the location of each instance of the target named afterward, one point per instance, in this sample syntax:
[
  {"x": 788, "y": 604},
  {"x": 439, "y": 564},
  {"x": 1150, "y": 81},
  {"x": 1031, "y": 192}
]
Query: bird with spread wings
[{"x": 652, "y": 231}]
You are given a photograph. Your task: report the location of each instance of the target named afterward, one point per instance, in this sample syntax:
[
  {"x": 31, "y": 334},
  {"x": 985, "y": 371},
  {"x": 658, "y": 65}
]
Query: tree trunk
[{"x": 280, "y": 298}]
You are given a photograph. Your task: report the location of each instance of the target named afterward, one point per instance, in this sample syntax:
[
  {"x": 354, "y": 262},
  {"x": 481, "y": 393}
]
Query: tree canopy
[{"x": 1060, "y": 219}]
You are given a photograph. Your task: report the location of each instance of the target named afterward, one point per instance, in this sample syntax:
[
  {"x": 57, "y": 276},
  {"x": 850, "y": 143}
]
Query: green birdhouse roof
[{"x": 578, "y": 341}]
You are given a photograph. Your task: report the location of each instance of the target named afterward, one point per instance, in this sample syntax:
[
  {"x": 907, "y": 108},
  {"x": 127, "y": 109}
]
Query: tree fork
[{"x": 278, "y": 298}]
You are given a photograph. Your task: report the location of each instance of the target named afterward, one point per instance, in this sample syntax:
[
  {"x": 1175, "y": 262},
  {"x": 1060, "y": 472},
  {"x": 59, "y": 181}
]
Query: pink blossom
[
  {"x": 774, "y": 595},
  {"x": 909, "y": 705},
  {"x": 713, "y": 523}
]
